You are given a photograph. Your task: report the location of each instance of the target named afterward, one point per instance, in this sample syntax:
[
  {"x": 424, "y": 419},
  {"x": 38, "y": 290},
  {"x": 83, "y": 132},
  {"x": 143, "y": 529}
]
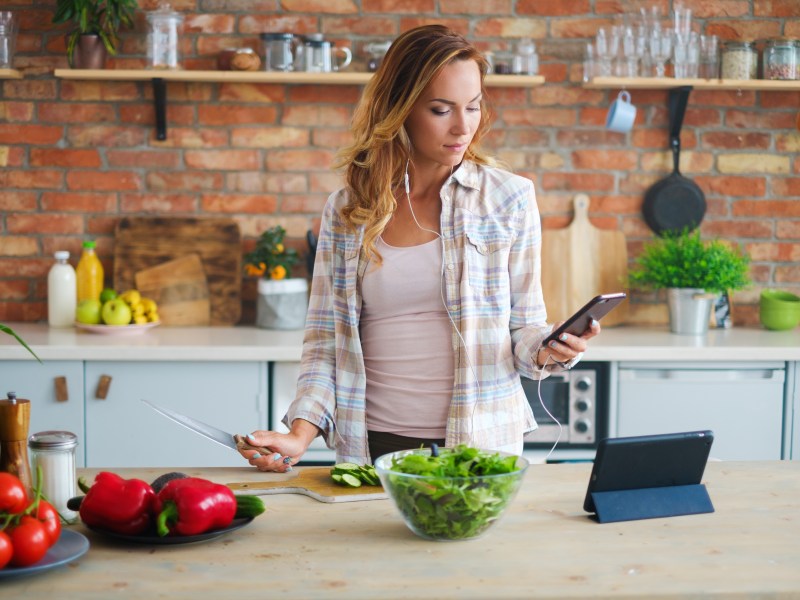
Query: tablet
[{"x": 648, "y": 461}]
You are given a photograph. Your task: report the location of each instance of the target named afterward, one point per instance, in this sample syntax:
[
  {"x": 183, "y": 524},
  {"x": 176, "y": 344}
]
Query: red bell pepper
[
  {"x": 116, "y": 504},
  {"x": 191, "y": 506}
]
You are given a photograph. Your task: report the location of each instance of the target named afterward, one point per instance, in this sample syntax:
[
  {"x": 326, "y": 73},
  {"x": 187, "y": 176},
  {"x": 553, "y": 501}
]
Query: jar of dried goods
[
  {"x": 739, "y": 60},
  {"x": 781, "y": 59}
]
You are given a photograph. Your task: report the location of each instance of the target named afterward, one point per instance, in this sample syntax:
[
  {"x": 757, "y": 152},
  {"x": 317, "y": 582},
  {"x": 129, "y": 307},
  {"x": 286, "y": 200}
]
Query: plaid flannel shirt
[{"x": 492, "y": 243}]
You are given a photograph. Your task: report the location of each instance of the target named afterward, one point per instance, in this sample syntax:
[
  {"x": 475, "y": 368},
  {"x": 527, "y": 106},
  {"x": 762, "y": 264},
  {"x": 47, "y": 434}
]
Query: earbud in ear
[{"x": 408, "y": 185}]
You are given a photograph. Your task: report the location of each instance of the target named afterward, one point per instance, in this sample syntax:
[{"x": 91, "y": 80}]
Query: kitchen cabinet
[
  {"x": 283, "y": 379},
  {"x": 55, "y": 390},
  {"x": 742, "y": 403},
  {"x": 122, "y": 431}
]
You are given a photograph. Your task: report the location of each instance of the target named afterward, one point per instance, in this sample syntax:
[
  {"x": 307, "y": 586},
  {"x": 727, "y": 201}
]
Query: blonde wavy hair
[{"x": 376, "y": 160}]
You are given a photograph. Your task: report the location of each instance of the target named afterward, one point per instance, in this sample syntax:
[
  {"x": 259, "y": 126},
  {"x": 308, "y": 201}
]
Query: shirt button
[
  {"x": 483, "y": 248},
  {"x": 450, "y": 266}
]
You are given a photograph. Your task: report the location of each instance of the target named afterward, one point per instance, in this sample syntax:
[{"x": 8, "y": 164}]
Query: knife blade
[{"x": 207, "y": 431}]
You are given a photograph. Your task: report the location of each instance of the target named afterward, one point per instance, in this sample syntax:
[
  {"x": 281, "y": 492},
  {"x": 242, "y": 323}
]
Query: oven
[{"x": 578, "y": 399}]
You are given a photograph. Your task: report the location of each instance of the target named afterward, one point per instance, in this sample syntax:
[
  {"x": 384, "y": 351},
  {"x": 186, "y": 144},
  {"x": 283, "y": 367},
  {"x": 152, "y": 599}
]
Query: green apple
[
  {"x": 108, "y": 294},
  {"x": 116, "y": 312},
  {"x": 88, "y": 311}
]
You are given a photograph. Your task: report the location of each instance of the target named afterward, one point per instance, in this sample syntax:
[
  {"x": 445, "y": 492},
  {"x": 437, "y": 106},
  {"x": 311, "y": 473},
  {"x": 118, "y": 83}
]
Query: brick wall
[{"x": 75, "y": 156}]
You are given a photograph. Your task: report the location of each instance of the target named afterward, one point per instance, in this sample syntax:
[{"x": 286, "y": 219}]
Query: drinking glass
[
  {"x": 709, "y": 57},
  {"x": 660, "y": 49},
  {"x": 8, "y": 38},
  {"x": 682, "y": 16},
  {"x": 633, "y": 48},
  {"x": 607, "y": 46},
  {"x": 686, "y": 55}
]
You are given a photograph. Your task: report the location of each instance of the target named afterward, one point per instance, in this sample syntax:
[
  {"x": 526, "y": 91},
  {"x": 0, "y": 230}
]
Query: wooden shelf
[
  {"x": 10, "y": 74},
  {"x": 300, "y": 78},
  {"x": 665, "y": 83},
  {"x": 160, "y": 77}
]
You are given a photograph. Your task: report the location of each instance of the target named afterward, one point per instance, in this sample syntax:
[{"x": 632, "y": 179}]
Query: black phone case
[{"x": 596, "y": 308}]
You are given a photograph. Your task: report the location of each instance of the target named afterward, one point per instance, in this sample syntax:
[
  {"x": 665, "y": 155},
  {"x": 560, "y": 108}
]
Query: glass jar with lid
[
  {"x": 53, "y": 453},
  {"x": 781, "y": 59},
  {"x": 163, "y": 50},
  {"x": 739, "y": 60}
]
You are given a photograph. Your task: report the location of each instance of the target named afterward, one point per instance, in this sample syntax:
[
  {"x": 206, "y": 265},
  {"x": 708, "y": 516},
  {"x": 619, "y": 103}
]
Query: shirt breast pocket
[{"x": 486, "y": 253}]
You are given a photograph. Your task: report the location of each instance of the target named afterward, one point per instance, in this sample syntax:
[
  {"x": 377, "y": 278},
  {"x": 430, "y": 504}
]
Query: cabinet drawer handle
[
  {"x": 102, "y": 387},
  {"x": 62, "y": 393}
]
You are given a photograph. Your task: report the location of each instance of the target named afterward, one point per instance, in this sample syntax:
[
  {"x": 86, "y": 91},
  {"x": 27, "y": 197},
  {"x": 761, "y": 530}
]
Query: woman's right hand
[{"x": 285, "y": 449}]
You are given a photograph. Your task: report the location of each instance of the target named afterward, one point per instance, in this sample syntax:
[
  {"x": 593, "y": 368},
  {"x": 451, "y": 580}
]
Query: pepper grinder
[{"x": 15, "y": 416}]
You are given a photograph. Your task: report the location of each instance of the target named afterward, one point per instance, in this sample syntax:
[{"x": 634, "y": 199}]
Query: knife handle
[{"x": 241, "y": 444}]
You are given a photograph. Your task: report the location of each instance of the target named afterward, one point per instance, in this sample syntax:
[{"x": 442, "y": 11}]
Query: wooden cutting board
[
  {"x": 315, "y": 482},
  {"x": 145, "y": 242},
  {"x": 180, "y": 289},
  {"x": 581, "y": 261}
]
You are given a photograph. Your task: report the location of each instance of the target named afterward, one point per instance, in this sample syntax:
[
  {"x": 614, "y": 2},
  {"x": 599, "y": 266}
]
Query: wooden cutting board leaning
[
  {"x": 145, "y": 242},
  {"x": 315, "y": 482},
  {"x": 180, "y": 289},
  {"x": 581, "y": 261}
]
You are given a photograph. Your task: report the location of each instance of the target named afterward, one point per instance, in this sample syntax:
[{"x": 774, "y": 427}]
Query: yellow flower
[
  {"x": 279, "y": 272},
  {"x": 278, "y": 249}
]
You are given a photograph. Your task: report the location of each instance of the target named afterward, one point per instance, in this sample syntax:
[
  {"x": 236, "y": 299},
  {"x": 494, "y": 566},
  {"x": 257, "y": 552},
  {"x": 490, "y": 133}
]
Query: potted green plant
[
  {"x": 97, "y": 23},
  {"x": 282, "y": 299},
  {"x": 693, "y": 272}
]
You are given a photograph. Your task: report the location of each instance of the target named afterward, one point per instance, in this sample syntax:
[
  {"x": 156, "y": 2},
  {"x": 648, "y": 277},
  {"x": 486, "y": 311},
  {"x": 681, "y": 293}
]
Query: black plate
[
  {"x": 150, "y": 537},
  {"x": 70, "y": 545}
]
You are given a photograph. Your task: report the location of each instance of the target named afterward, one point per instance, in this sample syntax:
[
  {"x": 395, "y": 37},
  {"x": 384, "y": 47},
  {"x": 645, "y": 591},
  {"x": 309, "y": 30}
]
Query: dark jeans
[{"x": 381, "y": 443}]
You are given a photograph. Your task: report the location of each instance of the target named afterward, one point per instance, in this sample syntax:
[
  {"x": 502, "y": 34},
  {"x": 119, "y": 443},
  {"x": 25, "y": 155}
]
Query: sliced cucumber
[
  {"x": 346, "y": 473},
  {"x": 351, "y": 480}
]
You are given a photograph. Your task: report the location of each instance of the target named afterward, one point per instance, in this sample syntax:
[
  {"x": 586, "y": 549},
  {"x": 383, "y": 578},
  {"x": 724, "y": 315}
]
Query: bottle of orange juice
[{"x": 89, "y": 273}]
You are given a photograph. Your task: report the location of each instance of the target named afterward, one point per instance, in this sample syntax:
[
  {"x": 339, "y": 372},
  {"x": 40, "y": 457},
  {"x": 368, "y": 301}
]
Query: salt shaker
[{"x": 54, "y": 453}]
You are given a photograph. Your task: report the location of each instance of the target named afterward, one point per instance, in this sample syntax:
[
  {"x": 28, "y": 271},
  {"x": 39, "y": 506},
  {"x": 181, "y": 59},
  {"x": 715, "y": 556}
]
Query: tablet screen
[{"x": 648, "y": 461}]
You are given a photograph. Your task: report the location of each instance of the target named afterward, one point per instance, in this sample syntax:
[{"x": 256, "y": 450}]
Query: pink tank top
[{"x": 406, "y": 336}]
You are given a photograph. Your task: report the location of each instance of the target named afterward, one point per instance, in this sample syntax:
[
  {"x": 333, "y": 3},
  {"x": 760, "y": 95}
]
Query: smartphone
[{"x": 596, "y": 308}]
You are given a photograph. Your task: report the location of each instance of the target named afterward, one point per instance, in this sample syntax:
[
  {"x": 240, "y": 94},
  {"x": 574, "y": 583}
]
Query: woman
[{"x": 426, "y": 303}]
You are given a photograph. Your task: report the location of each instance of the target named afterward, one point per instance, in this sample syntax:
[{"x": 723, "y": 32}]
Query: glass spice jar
[
  {"x": 781, "y": 59},
  {"x": 739, "y": 60},
  {"x": 54, "y": 453}
]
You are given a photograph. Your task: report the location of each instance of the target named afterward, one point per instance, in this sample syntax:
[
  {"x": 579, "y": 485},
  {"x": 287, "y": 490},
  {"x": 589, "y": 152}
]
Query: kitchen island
[{"x": 545, "y": 547}]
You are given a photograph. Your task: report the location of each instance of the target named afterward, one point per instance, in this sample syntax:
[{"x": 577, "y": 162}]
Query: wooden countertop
[
  {"x": 248, "y": 343},
  {"x": 545, "y": 547}
]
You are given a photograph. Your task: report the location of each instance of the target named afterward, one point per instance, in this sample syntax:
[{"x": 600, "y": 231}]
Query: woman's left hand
[{"x": 568, "y": 346}]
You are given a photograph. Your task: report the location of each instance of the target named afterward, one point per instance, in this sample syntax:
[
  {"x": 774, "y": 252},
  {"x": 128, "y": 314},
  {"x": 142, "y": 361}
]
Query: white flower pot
[{"x": 282, "y": 303}]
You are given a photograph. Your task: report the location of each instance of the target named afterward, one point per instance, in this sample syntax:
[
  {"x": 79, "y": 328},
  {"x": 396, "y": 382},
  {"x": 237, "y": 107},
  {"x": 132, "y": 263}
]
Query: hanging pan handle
[{"x": 678, "y": 98}]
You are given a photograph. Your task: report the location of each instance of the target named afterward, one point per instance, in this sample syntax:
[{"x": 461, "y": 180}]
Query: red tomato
[
  {"x": 30, "y": 542},
  {"x": 13, "y": 498},
  {"x": 48, "y": 516},
  {"x": 6, "y": 549}
]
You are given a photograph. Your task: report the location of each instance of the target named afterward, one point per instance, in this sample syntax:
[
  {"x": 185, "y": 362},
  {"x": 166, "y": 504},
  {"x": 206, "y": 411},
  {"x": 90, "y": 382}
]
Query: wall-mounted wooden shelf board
[
  {"x": 160, "y": 77},
  {"x": 10, "y": 74},
  {"x": 299, "y": 78},
  {"x": 665, "y": 83}
]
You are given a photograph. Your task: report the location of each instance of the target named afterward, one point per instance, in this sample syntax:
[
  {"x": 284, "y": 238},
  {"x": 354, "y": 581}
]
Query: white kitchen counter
[{"x": 249, "y": 343}]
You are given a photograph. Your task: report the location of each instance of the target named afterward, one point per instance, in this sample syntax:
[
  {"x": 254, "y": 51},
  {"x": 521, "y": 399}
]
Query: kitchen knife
[{"x": 223, "y": 438}]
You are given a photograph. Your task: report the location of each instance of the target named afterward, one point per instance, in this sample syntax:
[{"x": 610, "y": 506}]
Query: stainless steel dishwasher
[{"x": 742, "y": 402}]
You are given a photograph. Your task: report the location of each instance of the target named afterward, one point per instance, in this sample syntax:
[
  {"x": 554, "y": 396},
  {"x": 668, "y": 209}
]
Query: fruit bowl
[
  {"x": 438, "y": 505},
  {"x": 117, "y": 329}
]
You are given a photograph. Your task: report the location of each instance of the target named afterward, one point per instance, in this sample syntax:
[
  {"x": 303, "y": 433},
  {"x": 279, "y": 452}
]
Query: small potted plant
[
  {"x": 282, "y": 299},
  {"x": 693, "y": 272},
  {"x": 97, "y": 23}
]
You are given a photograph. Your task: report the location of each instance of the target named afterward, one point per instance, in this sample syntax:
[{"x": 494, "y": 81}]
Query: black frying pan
[{"x": 674, "y": 203}]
